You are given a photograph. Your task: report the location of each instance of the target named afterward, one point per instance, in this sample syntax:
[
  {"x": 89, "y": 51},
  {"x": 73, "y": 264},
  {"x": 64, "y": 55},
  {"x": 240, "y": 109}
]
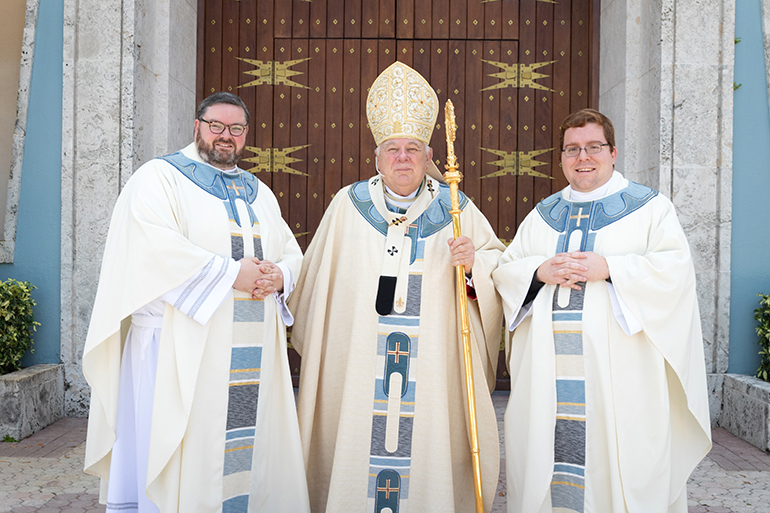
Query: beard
[{"x": 218, "y": 158}]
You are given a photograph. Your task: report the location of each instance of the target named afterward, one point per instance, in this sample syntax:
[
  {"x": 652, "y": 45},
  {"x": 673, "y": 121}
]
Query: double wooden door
[{"x": 514, "y": 69}]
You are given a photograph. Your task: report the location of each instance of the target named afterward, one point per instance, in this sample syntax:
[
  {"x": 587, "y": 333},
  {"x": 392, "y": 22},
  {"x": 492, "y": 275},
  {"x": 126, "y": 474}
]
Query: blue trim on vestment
[
  {"x": 617, "y": 206},
  {"x": 359, "y": 195},
  {"x": 435, "y": 217},
  {"x": 554, "y": 209},
  {"x": 225, "y": 186}
]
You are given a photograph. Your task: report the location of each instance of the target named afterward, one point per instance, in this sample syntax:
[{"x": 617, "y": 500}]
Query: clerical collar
[
  {"x": 231, "y": 171},
  {"x": 401, "y": 203},
  {"x": 600, "y": 192}
]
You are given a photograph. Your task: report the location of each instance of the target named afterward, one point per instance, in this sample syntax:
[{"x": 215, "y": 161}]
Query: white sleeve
[
  {"x": 522, "y": 313},
  {"x": 623, "y": 315},
  {"x": 282, "y": 298},
  {"x": 201, "y": 295}
]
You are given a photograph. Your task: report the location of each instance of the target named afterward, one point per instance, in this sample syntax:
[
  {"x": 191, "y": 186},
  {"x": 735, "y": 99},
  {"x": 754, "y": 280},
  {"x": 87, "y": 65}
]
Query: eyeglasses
[
  {"x": 574, "y": 151},
  {"x": 217, "y": 128}
]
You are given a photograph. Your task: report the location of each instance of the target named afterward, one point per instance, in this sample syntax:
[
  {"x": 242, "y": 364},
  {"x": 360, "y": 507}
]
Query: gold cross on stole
[
  {"x": 235, "y": 188},
  {"x": 579, "y": 216}
]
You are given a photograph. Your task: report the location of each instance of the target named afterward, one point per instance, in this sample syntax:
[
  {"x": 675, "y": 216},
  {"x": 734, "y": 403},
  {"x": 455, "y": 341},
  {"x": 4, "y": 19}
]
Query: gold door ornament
[
  {"x": 273, "y": 73},
  {"x": 518, "y": 75},
  {"x": 274, "y": 160},
  {"x": 517, "y": 163}
]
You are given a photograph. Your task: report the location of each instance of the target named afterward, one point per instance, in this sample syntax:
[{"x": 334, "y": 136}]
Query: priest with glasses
[
  {"x": 192, "y": 406},
  {"x": 608, "y": 410}
]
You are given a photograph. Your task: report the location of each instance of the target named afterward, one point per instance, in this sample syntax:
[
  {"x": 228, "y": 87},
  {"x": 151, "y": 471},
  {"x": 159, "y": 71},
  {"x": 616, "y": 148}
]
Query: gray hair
[{"x": 221, "y": 97}]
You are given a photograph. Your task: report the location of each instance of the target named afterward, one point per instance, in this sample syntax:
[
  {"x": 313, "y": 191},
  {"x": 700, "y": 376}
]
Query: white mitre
[{"x": 402, "y": 104}]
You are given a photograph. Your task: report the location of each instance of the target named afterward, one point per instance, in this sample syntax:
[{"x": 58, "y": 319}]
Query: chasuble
[
  {"x": 608, "y": 409},
  {"x": 223, "y": 434},
  {"x": 382, "y": 410}
]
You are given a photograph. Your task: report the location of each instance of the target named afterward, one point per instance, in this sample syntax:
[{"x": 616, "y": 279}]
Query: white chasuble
[
  {"x": 381, "y": 402},
  {"x": 598, "y": 420},
  {"x": 224, "y": 435}
]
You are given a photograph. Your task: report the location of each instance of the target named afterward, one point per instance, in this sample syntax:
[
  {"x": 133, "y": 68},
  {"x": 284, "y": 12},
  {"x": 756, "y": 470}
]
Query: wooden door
[{"x": 514, "y": 69}]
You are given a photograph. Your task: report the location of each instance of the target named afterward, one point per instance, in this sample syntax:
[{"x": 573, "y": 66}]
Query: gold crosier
[{"x": 453, "y": 177}]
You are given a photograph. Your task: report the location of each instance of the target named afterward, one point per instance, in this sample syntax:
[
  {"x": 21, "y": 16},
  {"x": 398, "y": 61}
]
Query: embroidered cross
[
  {"x": 397, "y": 352},
  {"x": 392, "y": 251},
  {"x": 235, "y": 188},
  {"x": 387, "y": 489},
  {"x": 430, "y": 188},
  {"x": 374, "y": 182},
  {"x": 579, "y": 216},
  {"x": 398, "y": 221}
]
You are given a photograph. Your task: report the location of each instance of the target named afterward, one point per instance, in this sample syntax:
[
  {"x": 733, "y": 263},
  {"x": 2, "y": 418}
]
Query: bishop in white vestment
[
  {"x": 192, "y": 407},
  {"x": 608, "y": 411},
  {"x": 381, "y": 407}
]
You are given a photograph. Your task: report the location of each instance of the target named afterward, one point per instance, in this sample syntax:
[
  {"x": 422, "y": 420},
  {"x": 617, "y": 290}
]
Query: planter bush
[{"x": 16, "y": 323}]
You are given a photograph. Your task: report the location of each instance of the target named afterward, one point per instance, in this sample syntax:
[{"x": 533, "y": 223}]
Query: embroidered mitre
[{"x": 401, "y": 103}]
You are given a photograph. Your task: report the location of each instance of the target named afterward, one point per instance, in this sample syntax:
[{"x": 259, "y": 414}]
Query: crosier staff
[{"x": 453, "y": 177}]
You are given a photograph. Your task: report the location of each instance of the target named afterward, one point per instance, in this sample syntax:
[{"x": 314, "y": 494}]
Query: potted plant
[
  {"x": 746, "y": 399},
  {"x": 33, "y": 397},
  {"x": 762, "y": 314},
  {"x": 16, "y": 323}
]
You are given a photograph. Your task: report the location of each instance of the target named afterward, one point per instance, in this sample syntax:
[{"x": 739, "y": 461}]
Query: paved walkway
[{"x": 44, "y": 473}]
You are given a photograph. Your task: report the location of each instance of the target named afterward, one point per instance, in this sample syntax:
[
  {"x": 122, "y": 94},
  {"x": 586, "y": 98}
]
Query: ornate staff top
[
  {"x": 451, "y": 133},
  {"x": 452, "y": 174}
]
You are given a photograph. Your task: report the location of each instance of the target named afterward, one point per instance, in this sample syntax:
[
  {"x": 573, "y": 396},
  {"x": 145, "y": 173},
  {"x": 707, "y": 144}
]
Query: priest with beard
[{"x": 192, "y": 407}]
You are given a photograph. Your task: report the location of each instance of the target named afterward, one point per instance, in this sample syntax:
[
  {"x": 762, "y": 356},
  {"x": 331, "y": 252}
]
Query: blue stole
[
  {"x": 577, "y": 224},
  {"x": 248, "y": 318},
  {"x": 397, "y": 359}
]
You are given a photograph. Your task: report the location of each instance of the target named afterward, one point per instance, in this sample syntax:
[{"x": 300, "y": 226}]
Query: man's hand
[
  {"x": 271, "y": 280},
  {"x": 260, "y": 278},
  {"x": 463, "y": 252},
  {"x": 567, "y": 269}
]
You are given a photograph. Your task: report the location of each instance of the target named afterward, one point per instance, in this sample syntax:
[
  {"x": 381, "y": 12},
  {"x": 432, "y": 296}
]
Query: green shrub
[
  {"x": 762, "y": 314},
  {"x": 16, "y": 323}
]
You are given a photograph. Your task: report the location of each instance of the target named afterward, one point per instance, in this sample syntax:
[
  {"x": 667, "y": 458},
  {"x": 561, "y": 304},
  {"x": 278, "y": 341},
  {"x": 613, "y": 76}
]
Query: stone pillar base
[
  {"x": 746, "y": 410},
  {"x": 31, "y": 399}
]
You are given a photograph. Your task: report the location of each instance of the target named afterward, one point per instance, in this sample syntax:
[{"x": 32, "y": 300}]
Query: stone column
[
  {"x": 129, "y": 93},
  {"x": 666, "y": 82},
  {"x": 12, "y": 182}
]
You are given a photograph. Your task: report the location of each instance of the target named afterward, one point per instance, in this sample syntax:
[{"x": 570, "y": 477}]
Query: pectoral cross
[{"x": 579, "y": 216}]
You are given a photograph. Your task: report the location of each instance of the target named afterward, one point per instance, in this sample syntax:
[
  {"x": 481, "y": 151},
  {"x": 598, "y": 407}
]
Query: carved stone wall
[
  {"x": 129, "y": 82},
  {"x": 666, "y": 82}
]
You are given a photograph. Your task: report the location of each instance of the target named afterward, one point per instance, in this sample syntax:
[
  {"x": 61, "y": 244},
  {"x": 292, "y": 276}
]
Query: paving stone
[{"x": 49, "y": 478}]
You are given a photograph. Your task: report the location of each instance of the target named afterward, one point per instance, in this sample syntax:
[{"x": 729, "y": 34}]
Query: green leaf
[{"x": 16, "y": 323}]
